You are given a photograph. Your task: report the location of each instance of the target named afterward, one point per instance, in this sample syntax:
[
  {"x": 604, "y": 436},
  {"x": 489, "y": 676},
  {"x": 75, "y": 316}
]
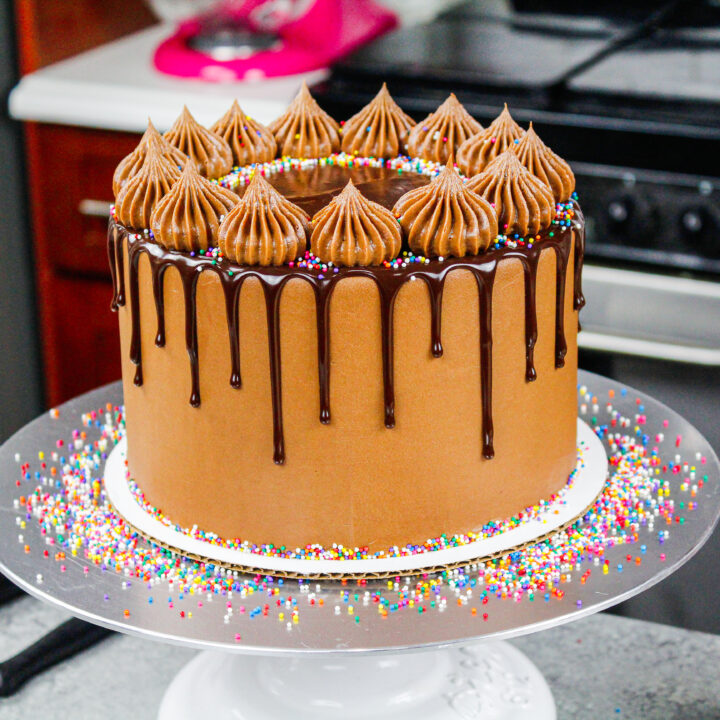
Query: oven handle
[
  {"x": 649, "y": 348},
  {"x": 94, "y": 208}
]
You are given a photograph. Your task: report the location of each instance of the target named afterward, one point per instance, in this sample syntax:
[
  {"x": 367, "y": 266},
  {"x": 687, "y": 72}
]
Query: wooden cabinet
[
  {"x": 48, "y": 31},
  {"x": 70, "y": 171},
  {"x": 69, "y": 181}
]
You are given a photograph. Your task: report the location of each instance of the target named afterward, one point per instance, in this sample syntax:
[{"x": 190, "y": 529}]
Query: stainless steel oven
[{"x": 661, "y": 334}]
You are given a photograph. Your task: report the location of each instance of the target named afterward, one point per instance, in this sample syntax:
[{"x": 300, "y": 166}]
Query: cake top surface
[
  {"x": 313, "y": 188},
  {"x": 506, "y": 187}
]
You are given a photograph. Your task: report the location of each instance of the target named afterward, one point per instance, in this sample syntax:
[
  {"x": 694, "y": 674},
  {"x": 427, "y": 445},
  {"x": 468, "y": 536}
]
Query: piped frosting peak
[
  {"x": 380, "y": 129},
  {"x": 523, "y": 203},
  {"x": 131, "y": 163},
  {"x": 264, "y": 228},
  {"x": 445, "y": 218},
  {"x": 479, "y": 150},
  {"x": 305, "y": 130},
  {"x": 352, "y": 230},
  {"x": 249, "y": 141},
  {"x": 210, "y": 153},
  {"x": 143, "y": 190},
  {"x": 188, "y": 217},
  {"x": 439, "y": 135},
  {"x": 549, "y": 167}
]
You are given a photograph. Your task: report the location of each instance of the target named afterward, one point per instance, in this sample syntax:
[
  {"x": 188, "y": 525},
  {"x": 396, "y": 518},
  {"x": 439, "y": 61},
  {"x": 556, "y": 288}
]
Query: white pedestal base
[{"x": 492, "y": 681}]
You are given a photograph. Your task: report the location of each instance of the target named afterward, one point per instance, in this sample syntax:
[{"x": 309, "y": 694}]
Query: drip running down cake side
[{"x": 328, "y": 347}]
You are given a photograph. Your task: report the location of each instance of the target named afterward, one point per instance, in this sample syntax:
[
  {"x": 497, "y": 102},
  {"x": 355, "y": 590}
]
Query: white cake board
[{"x": 588, "y": 483}]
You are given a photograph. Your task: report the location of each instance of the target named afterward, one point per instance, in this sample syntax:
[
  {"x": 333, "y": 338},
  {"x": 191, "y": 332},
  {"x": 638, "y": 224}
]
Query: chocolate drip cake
[{"x": 347, "y": 346}]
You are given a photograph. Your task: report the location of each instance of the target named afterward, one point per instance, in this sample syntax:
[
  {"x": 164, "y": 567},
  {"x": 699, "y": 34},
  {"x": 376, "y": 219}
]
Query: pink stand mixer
[{"x": 235, "y": 40}]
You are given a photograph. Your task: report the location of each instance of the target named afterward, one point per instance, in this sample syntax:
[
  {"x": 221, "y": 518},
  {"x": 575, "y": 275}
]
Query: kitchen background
[{"x": 629, "y": 92}]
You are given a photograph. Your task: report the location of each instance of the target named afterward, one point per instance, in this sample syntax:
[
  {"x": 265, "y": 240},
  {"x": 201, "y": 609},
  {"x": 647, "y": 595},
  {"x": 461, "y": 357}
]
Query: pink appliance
[{"x": 235, "y": 40}]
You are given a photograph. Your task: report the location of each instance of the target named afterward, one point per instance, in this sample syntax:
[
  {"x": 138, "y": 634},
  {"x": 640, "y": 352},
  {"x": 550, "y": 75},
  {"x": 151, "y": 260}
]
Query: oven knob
[
  {"x": 619, "y": 211},
  {"x": 693, "y": 220},
  {"x": 632, "y": 218},
  {"x": 700, "y": 229}
]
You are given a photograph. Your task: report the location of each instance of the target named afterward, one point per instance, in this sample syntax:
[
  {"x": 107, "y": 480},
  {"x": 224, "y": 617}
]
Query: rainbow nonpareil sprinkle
[{"x": 241, "y": 176}]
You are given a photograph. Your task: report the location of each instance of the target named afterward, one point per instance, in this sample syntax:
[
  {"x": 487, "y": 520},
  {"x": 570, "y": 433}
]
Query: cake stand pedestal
[
  {"x": 344, "y": 659},
  {"x": 490, "y": 680}
]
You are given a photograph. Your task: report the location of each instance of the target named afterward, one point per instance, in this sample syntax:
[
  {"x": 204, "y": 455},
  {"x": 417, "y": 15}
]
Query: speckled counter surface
[{"x": 600, "y": 667}]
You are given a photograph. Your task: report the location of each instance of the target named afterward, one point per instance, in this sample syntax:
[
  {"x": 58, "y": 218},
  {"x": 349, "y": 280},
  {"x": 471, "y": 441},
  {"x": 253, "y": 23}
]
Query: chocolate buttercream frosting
[
  {"x": 264, "y": 228},
  {"x": 249, "y": 141},
  {"x": 188, "y": 217},
  {"x": 523, "y": 203},
  {"x": 380, "y": 129},
  {"x": 544, "y": 164},
  {"x": 305, "y": 130},
  {"x": 210, "y": 153},
  {"x": 446, "y": 218},
  {"x": 353, "y": 230},
  {"x": 139, "y": 195},
  {"x": 131, "y": 163},
  {"x": 477, "y": 151},
  {"x": 440, "y": 134}
]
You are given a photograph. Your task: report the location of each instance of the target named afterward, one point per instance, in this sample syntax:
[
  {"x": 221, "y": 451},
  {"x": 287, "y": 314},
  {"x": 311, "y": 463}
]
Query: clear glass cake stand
[{"x": 435, "y": 665}]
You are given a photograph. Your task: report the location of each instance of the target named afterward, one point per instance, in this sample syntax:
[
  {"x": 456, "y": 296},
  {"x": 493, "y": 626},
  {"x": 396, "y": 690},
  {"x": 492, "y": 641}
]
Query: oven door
[{"x": 661, "y": 335}]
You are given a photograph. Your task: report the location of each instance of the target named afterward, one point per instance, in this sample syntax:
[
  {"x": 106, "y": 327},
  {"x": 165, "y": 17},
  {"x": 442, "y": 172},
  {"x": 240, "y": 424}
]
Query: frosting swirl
[
  {"x": 264, "y": 228},
  {"x": 249, "y": 141},
  {"x": 188, "y": 217},
  {"x": 523, "y": 203},
  {"x": 210, "y": 153},
  {"x": 477, "y": 151},
  {"x": 305, "y": 130},
  {"x": 440, "y": 134},
  {"x": 352, "y": 230},
  {"x": 446, "y": 218},
  {"x": 543, "y": 163},
  {"x": 131, "y": 163},
  {"x": 139, "y": 195},
  {"x": 380, "y": 129}
]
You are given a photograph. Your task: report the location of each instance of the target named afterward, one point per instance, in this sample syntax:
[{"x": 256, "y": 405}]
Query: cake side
[{"x": 352, "y": 481}]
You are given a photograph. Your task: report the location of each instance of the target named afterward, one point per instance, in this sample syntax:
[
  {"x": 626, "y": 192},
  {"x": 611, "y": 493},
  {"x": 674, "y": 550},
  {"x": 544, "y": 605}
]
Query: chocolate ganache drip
[
  {"x": 544, "y": 164},
  {"x": 187, "y": 219},
  {"x": 249, "y": 141},
  {"x": 441, "y": 133},
  {"x": 389, "y": 281},
  {"x": 263, "y": 228},
  {"x": 131, "y": 163},
  {"x": 305, "y": 130},
  {"x": 380, "y": 129},
  {"x": 353, "y": 230},
  {"x": 477, "y": 152},
  {"x": 445, "y": 218},
  {"x": 210, "y": 153}
]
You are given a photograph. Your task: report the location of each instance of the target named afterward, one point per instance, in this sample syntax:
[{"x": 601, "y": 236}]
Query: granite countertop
[
  {"x": 600, "y": 667},
  {"x": 116, "y": 87}
]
